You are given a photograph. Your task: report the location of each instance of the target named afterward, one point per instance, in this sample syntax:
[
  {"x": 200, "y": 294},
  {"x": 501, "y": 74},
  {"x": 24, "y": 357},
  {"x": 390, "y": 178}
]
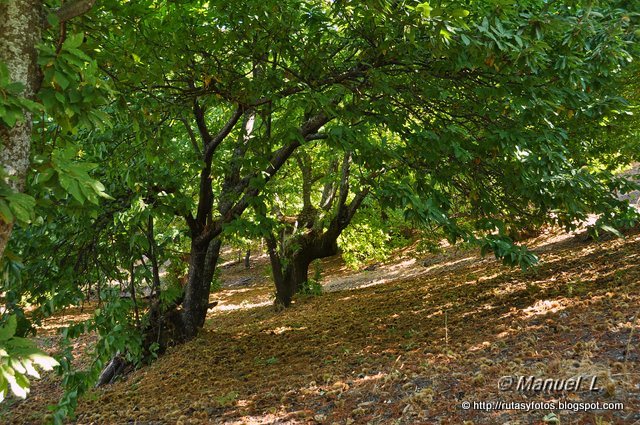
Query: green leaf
[
  {"x": 10, "y": 117},
  {"x": 30, "y": 370},
  {"x": 31, "y": 106},
  {"x": 8, "y": 329},
  {"x": 61, "y": 79},
  {"x": 22, "y": 205},
  {"x": 5, "y": 212},
  {"x": 43, "y": 360},
  {"x": 4, "y": 74},
  {"x": 16, "y": 385},
  {"x": 16, "y": 364},
  {"x": 3, "y": 388},
  {"x": 71, "y": 186},
  {"x": 53, "y": 19},
  {"x": 425, "y": 9},
  {"x": 15, "y": 87},
  {"x": 73, "y": 42},
  {"x": 460, "y": 13},
  {"x": 22, "y": 380},
  {"x": 613, "y": 230},
  {"x": 45, "y": 175}
]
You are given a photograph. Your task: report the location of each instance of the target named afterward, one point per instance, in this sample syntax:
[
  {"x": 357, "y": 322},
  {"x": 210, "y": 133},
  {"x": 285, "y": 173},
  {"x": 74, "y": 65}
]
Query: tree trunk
[
  {"x": 20, "y": 31},
  {"x": 311, "y": 246},
  {"x": 247, "y": 259},
  {"x": 211, "y": 261},
  {"x": 202, "y": 266},
  {"x": 20, "y": 24},
  {"x": 112, "y": 370},
  {"x": 168, "y": 325},
  {"x": 291, "y": 278},
  {"x": 153, "y": 257},
  {"x": 290, "y": 281}
]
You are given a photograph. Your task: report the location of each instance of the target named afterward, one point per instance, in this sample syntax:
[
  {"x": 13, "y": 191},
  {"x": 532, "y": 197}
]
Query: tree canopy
[{"x": 145, "y": 135}]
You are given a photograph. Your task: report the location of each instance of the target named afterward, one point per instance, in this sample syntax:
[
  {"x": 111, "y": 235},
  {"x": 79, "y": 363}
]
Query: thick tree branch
[
  {"x": 304, "y": 163},
  {"x": 198, "y": 113},
  {"x": 329, "y": 191},
  {"x": 356, "y": 202},
  {"x": 274, "y": 257},
  {"x": 278, "y": 159},
  {"x": 214, "y": 142},
  {"x": 229, "y": 194},
  {"x": 191, "y": 222},
  {"x": 71, "y": 10},
  {"x": 210, "y": 143},
  {"x": 344, "y": 182},
  {"x": 192, "y": 136},
  {"x": 316, "y": 136}
]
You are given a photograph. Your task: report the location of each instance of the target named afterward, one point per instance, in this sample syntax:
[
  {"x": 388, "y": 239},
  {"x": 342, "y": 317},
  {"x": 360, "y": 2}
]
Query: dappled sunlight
[
  {"x": 480, "y": 309},
  {"x": 229, "y": 292},
  {"x": 545, "y": 307},
  {"x": 404, "y": 269},
  {"x": 397, "y": 347},
  {"x": 66, "y": 317},
  {"x": 503, "y": 292},
  {"x": 241, "y": 306},
  {"x": 451, "y": 263},
  {"x": 282, "y": 329}
]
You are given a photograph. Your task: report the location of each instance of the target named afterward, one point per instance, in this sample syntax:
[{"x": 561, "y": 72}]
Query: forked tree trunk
[
  {"x": 290, "y": 281},
  {"x": 290, "y": 264},
  {"x": 292, "y": 272},
  {"x": 181, "y": 321},
  {"x": 168, "y": 325},
  {"x": 205, "y": 232}
]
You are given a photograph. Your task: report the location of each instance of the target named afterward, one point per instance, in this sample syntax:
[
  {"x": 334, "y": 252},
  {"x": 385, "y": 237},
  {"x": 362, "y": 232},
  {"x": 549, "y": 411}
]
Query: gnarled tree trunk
[
  {"x": 231, "y": 203},
  {"x": 291, "y": 273},
  {"x": 290, "y": 265}
]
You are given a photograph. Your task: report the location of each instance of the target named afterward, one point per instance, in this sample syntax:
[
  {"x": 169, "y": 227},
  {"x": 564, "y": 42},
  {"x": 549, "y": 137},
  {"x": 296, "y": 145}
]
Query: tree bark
[
  {"x": 153, "y": 257},
  {"x": 288, "y": 278},
  {"x": 247, "y": 259},
  {"x": 295, "y": 275},
  {"x": 291, "y": 267},
  {"x": 110, "y": 373},
  {"x": 202, "y": 266},
  {"x": 291, "y": 276},
  {"x": 20, "y": 24}
]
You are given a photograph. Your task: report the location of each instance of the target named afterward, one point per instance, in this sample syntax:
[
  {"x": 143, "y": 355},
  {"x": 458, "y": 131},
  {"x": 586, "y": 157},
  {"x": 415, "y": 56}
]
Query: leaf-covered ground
[{"x": 406, "y": 343}]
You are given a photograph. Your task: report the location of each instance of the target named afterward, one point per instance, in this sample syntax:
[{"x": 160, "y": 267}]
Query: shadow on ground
[{"x": 409, "y": 350}]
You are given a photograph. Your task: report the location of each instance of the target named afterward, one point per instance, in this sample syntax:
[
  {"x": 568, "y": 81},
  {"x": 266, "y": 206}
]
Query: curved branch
[{"x": 71, "y": 10}]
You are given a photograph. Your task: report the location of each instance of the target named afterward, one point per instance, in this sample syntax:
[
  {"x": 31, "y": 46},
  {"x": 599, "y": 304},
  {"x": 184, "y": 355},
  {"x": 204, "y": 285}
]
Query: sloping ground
[{"x": 407, "y": 344}]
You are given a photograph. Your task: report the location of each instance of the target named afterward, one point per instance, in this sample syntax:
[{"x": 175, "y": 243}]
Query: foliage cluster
[{"x": 164, "y": 128}]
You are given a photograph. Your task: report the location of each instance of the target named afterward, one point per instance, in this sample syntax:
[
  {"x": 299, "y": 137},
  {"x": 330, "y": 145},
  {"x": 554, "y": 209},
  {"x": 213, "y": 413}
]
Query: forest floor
[{"x": 406, "y": 343}]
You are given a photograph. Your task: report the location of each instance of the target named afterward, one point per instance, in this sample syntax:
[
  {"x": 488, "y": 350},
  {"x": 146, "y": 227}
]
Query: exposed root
[{"x": 117, "y": 367}]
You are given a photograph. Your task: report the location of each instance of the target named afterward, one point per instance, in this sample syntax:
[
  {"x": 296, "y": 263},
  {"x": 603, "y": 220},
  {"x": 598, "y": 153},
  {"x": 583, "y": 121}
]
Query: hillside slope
[{"x": 407, "y": 343}]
